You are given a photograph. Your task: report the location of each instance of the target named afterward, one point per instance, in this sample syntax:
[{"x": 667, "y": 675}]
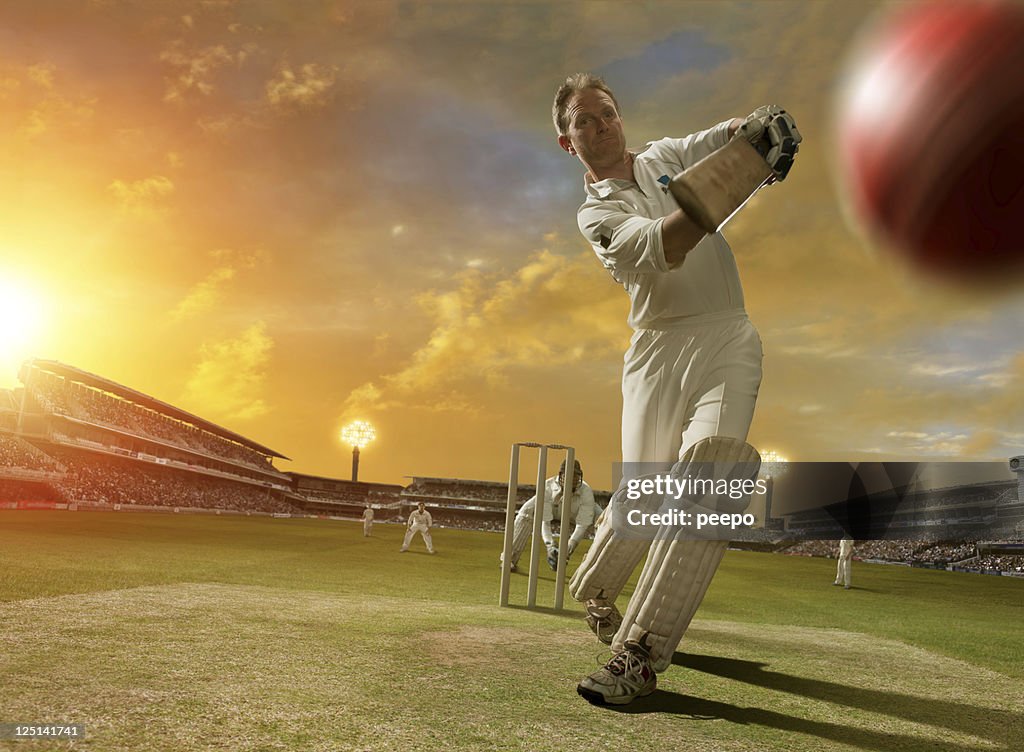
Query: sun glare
[{"x": 21, "y": 321}]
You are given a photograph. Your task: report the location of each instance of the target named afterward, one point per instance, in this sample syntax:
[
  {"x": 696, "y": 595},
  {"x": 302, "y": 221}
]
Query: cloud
[
  {"x": 35, "y": 100},
  {"x": 309, "y": 87},
  {"x": 229, "y": 380},
  {"x": 209, "y": 291},
  {"x": 142, "y": 197},
  {"x": 685, "y": 52},
  {"x": 552, "y": 312},
  {"x": 194, "y": 70}
]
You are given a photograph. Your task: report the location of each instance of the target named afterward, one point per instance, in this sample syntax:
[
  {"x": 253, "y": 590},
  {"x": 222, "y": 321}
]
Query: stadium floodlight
[
  {"x": 358, "y": 433},
  {"x": 773, "y": 465}
]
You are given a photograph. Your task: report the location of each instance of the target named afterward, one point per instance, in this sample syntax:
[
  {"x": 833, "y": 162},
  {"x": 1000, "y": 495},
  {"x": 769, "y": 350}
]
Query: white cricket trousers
[
  {"x": 422, "y": 530},
  {"x": 679, "y": 386},
  {"x": 843, "y": 572},
  {"x": 367, "y": 528}
]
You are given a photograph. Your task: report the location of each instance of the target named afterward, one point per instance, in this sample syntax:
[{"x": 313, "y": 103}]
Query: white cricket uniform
[
  {"x": 845, "y": 560},
  {"x": 419, "y": 522},
  {"x": 692, "y": 370},
  {"x": 582, "y": 509},
  {"x": 367, "y": 522}
]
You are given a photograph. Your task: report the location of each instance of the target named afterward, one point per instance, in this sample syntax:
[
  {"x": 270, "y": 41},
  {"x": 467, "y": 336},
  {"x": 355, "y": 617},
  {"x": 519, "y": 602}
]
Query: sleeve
[
  {"x": 588, "y": 507},
  {"x": 551, "y": 497},
  {"x": 546, "y": 534},
  {"x": 696, "y": 146},
  {"x": 624, "y": 241},
  {"x": 428, "y": 519},
  {"x": 577, "y": 535}
]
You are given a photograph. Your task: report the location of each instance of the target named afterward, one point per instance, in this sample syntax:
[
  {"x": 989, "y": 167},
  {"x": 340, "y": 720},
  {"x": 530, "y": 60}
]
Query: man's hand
[
  {"x": 553, "y": 558},
  {"x": 773, "y": 132}
]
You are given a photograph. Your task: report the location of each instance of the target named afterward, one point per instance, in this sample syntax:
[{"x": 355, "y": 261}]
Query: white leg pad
[
  {"x": 613, "y": 557},
  {"x": 521, "y": 531},
  {"x": 679, "y": 568},
  {"x": 671, "y": 588}
]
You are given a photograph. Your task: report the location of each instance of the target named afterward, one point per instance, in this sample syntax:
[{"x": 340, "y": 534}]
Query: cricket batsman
[
  {"x": 582, "y": 508},
  {"x": 693, "y": 368}
]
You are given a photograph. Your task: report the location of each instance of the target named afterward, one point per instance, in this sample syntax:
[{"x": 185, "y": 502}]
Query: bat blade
[{"x": 712, "y": 190}]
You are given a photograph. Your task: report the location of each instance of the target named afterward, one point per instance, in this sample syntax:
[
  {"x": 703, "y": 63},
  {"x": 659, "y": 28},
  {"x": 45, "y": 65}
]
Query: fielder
[
  {"x": 844, "y": 562},
  {"x": 419, "y": 522},
  {"x": 691, "y": 373},
  {"x": 367, "y": 522},
  {"x": 582, "y": 509}
]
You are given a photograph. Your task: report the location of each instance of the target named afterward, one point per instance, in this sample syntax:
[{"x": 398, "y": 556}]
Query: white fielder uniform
[
  {"x": 845, "y": 559},
  {"x": 419, "y": 522},
  {"x": 692, "y": 371},
  {"x": 367, "y": 522},
  {"x": 582, "y": 509}
]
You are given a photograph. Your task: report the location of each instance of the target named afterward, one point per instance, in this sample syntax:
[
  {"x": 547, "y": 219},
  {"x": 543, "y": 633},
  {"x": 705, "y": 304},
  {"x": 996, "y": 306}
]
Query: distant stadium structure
[
  {"x": 75, "y": 438},
  {"x": 70, "y": 439}
]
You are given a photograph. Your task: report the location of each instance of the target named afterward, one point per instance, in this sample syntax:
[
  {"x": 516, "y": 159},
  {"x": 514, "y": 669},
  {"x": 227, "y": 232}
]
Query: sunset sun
[{"x": 21, "y": 321}]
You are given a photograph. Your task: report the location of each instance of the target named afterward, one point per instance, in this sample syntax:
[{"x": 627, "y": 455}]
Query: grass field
[{"x": 176, "y": 632}]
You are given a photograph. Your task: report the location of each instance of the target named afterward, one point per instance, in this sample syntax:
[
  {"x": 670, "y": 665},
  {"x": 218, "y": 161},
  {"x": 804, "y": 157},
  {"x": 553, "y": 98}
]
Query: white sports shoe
[
  {"x": 603, "y": 617},
  {"x": 625, "y": 677}
]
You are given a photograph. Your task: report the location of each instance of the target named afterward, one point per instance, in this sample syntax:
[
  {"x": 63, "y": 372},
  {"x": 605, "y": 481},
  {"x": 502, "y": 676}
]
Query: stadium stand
[{"x": 77, "y": 403}]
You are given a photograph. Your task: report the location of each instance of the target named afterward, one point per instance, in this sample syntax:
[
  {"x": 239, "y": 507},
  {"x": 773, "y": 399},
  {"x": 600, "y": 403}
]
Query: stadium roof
[
  {"x": 98, "y": 382},
  {"x": 343, "y": 481}
]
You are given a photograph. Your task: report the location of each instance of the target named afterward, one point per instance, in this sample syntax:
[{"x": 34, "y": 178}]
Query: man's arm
[
  {"x": 631, "y": 244},
  {"x": 628, "y": 243}
]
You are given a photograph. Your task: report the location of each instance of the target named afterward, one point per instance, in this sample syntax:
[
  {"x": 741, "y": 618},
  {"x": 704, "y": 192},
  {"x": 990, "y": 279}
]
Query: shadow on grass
[
  {"x": 1001, "y": 727},
  {"x": 549, "y": 611},
  {"x": 698, "y": 709}
]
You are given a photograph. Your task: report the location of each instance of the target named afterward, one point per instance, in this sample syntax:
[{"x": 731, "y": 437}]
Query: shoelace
[{"x": 626, "y": 661}]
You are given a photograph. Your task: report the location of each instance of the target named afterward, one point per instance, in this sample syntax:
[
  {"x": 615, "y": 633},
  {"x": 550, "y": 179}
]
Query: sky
[{"x": 283, "y": 216}]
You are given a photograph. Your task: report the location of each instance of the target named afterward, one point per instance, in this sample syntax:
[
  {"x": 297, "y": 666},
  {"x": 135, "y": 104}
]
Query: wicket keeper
[{"x": 582, "y": 509}]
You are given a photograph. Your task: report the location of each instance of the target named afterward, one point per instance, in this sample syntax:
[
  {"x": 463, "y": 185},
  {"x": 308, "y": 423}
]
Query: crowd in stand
[
  {"x": 1014, "y": 564},
  {"x": 906, "y": 551},
  {"x": 916, "y": 552},
  {"x": 18, "y": 490},
  {"x": 945, "y": 553},
  {"x": 112, "y": 480},
  {"x": 56, "y": 395},
  {"x": 15, "y": 452}
]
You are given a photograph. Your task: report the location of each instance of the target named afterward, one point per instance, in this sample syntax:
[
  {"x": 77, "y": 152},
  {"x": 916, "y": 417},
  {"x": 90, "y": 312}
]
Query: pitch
[{"x": 167, "y": 632}]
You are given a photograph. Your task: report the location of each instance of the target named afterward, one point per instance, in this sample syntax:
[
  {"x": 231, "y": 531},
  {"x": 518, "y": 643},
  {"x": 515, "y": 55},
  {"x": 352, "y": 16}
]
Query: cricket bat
[{"x": 715, "y": 188}]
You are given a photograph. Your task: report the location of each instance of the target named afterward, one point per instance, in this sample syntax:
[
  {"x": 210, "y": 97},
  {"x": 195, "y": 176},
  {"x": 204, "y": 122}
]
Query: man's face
[
  {"x": 576, "y": 480},
  {"x": 595, "y": 129}
]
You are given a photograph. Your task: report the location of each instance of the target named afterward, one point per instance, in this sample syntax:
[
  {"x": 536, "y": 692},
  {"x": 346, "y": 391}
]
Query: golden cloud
[
  {"x": 36, "y": 103},
  {"x": 142, "y": 197},
  {"x": 194, "y": 70},
  {"x": 209, "y": 291},
  {"x": 551, "y": 312},
  {"x": 229, "y": 380},
  {"x": 311, "y": 86}
]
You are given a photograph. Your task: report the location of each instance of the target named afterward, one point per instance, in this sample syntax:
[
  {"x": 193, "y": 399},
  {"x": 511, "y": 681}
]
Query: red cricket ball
[{"x": 931, "y": 135}]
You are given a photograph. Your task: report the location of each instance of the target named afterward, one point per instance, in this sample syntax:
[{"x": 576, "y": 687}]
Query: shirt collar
[{"x": 608, "y": 186}]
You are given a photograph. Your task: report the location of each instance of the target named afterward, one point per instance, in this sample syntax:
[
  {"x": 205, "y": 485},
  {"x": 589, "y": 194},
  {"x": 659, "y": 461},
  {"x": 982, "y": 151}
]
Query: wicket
[{"x": 536, "y": 542}]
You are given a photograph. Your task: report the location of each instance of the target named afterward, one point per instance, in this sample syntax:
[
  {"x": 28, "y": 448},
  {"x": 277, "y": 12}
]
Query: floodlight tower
[
  {"x": 357, "y": 433},
  {"x": 773, "y": 465},
  {"x": 1017, "y": 466}
]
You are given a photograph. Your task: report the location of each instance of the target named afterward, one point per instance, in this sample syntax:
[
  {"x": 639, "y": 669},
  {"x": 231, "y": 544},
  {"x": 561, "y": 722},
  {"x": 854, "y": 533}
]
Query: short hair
[{"x": 575, "y": 83}]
